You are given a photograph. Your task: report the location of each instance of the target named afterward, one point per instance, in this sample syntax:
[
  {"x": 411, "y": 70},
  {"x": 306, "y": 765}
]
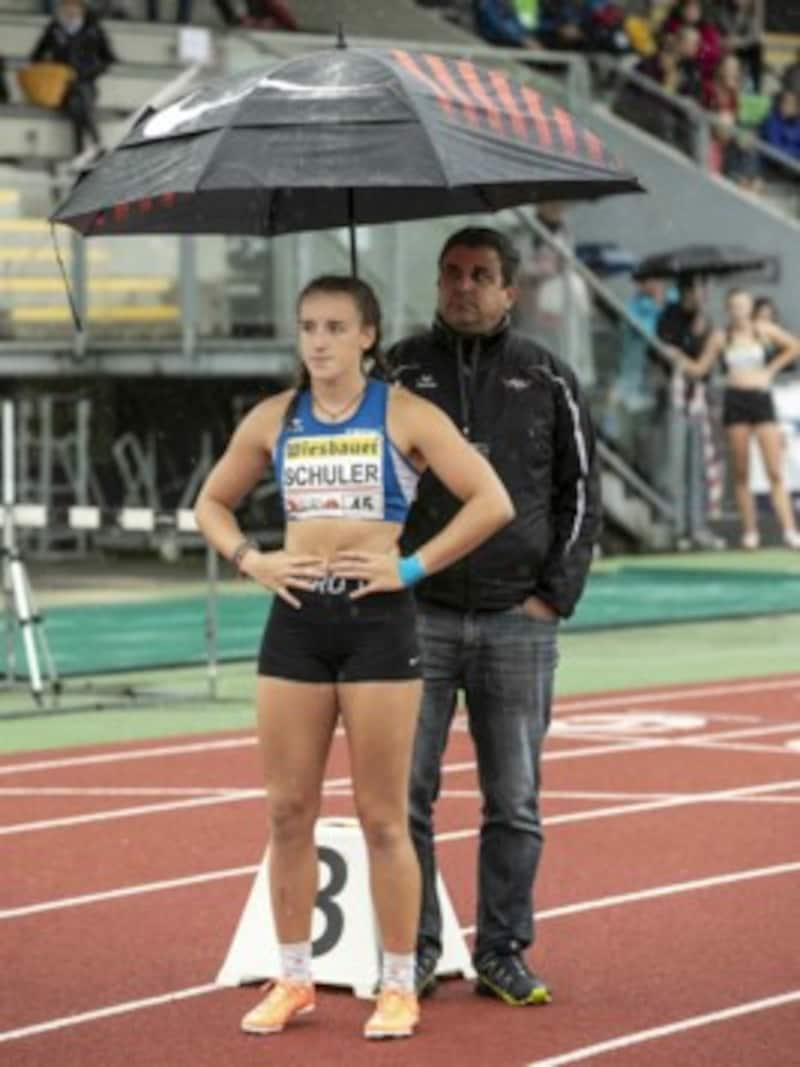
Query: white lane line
[
  {"x": 154, "y": 752},
  {"x": 620, "y": 700},
  {"x": 740, "y": 746},
  {"x": 735, "y": 735},
  {"x": 110, "y": 791},
  {"x": 648, "y": 695},
  {"x": 127, "y": 891},
  {"x": 126, "y": 813},
  {"x": 332, "y": 787},
  {"x": 655, "y": 892},
  {"x": 106, "y": 1013},
  {"x": 744, "y": 793},
  {"x": 741, "y": 792},
  {"x": 335, "y": 785},
  {"x": 680, "y": 1026}
]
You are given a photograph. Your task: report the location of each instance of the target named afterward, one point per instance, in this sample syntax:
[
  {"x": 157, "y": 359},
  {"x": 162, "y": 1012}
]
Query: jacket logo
[
  {"x": 517, "y": 384},
  {"x": 426, "y": 381}
]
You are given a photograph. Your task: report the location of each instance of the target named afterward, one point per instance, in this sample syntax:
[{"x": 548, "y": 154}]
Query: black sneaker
[
  {"x": 507, "y": 977},
  {"x": 425, "y": 971}
]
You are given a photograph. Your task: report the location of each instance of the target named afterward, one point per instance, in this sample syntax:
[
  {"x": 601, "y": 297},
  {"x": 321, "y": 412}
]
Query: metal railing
[
  {"x": 635, "y": 420},
  {"x": 683, "y": 124}
]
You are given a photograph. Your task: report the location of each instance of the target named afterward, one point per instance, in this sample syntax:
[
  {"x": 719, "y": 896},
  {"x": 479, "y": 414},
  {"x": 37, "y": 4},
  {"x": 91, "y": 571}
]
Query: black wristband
[{"x": 241, "y": 551}]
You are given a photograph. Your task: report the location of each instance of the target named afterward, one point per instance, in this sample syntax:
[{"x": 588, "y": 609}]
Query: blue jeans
[{"x": 505, "y": 662}]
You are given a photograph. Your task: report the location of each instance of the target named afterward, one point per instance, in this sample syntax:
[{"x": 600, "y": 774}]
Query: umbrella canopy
[
  {"x": 704, "y": 260},
  {"x": 337, "y": 138}
]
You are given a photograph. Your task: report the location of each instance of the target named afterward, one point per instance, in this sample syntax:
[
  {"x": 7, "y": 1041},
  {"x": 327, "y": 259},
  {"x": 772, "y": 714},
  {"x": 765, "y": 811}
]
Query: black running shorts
[
  {"x": 749, "y": 406},
  {"x": 332, "y": 638}
]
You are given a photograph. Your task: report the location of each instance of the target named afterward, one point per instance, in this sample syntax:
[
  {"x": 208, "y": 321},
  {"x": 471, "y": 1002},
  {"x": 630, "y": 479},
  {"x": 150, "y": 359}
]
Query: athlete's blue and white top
[{"x": 344, "y": 470}]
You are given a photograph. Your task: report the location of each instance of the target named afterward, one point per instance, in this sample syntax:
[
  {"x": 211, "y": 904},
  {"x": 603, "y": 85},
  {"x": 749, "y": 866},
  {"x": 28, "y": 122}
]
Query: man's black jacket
[{"x": 522, "y": 408}]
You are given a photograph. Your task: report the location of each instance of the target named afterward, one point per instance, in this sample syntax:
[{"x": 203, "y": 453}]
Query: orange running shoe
[
  {"x": 284, "y": 1002},
  {"x": 396, "y": 1014}
]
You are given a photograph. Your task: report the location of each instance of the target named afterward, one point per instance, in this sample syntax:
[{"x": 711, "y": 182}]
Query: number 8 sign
[{"x": 345, "y": 940}]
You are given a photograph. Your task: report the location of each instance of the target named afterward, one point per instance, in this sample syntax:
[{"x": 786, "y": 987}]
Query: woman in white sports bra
[
  {"x": 748, "y": 407},
  {"x": 340, "y": 643}
]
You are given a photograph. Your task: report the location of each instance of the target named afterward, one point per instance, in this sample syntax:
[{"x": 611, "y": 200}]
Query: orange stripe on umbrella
[
  {"x": 534, "y": 105},
  {"x": 595, "y": 146},
  {"x": 503, "y": 90},
  {"x": 566, "y": 129},
  {"x": 445, "y": 78},
  {"x": 475, "y": 86},
  {"x": 407, "y": 61}
]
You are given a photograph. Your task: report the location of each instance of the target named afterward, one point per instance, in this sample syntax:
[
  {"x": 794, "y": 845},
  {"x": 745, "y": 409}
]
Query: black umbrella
[
  {"x": 340, "y": 138},
  {"x": 704, "y": 260}
]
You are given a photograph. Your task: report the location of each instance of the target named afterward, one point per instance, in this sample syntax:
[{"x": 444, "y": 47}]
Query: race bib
[{"x": 336, "y": 477}]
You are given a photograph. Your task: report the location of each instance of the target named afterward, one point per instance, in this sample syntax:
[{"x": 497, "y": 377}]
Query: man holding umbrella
[{"x": 489, "y": 625}]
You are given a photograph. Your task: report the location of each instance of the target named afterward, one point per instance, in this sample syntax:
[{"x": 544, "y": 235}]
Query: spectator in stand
[
  {"x": 738, "y": 24},
  {"x": 781, "y": 128},
  {"x": 645, "y": 307},
  {"x": 685, "y": 326},
  {"x": 731, "y": 156},
  {"x": 184, "y": 12},
  {"x": 497, "y": 22},
  {"x": 3, "y": 82},
  {"x": 663, "y": 67},
  {"x": 690, "y": 13},
  {"x": 634, "y": 415},
  {"x": 270, "y": 15},
  {"x": 690, "y": 77},
  {"x": 554, "y": 305},
  {"x": 674, "y": 70},
  {"x": 562, "y": 24},
  {"x": 722, "y": 93},
  {"x": 75, "y": 37}
]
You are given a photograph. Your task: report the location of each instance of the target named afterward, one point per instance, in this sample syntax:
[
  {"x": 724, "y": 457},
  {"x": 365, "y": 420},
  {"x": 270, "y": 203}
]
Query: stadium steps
[{"x": 32, "y": 297}]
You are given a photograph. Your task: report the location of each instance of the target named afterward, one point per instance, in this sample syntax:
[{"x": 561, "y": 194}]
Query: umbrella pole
[{"x": 351, "y": 225}]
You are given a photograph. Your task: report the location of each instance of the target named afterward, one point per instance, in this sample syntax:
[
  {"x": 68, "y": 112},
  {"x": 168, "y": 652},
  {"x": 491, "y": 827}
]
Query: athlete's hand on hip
[
  {"x": 377, "y": 570},
  {"x": 282, "y": 571}
]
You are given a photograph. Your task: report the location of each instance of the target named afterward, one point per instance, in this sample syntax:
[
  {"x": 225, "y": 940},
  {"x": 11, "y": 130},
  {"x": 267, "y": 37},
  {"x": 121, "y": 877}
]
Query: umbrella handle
[{"x": 351, "y": 226}]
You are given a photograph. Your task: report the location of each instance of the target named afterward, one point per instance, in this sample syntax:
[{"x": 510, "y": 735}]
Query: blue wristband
[{"x": 411, "y": 569}]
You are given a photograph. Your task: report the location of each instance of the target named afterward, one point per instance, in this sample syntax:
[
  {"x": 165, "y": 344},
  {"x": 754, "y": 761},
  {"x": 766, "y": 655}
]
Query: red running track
[{"x": 667, "y": 897}]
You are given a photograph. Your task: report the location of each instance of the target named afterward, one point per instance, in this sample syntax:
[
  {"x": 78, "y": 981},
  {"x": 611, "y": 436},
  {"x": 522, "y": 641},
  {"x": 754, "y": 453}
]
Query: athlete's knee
[
  {"x": 291, "y": 818},
  {"x": 384, "y": 833},
  {"x": 774, "y": 477}
]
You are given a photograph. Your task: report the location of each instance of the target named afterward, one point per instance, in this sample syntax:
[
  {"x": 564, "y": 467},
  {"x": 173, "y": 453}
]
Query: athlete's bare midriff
[{"x": 327, "y": 537}]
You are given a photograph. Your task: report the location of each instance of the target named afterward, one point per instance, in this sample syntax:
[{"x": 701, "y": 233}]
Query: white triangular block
[{"x": 345, "y": 939}]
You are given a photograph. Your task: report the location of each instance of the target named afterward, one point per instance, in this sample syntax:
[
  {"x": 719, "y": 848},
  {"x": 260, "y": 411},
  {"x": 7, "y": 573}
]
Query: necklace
[{"x": 336, "y": 413}]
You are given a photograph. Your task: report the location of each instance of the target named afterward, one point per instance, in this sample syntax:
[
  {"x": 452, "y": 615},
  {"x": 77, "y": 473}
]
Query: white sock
[
  {"x": 296, "y": 962},
  {"x": 397, "y": 971}
]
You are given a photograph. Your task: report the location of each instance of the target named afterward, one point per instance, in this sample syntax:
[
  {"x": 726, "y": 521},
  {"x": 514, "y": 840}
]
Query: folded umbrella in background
[{"x": 703, "y": 260}]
